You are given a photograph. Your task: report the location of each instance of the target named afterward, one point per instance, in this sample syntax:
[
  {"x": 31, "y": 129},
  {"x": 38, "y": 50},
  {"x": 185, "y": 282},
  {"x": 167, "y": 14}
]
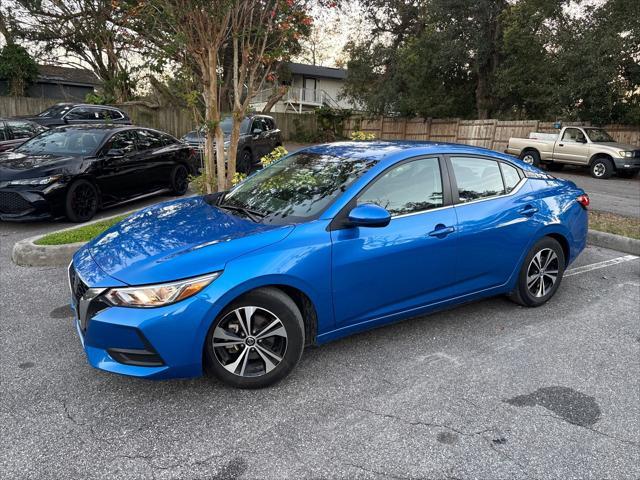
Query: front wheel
[
  {"x": 257, "y": 340},
  {"x": 540, "y": 274},
  {"x": 82, "y": 201},
  {"x": 601, "y": 168}
]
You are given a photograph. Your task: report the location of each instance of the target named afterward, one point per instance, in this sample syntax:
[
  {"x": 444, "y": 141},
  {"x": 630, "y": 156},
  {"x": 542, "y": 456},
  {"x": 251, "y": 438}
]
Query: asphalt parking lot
[{"x": 489, "y": 390}]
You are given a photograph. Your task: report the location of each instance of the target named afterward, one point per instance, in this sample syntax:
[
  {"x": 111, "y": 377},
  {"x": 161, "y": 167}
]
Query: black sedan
[
  {"x": 259, "y": 136},
  {"x": 14, "y": 132},
  {"x": 80, "y": 113},
  {"x": 76, "y": 170}
]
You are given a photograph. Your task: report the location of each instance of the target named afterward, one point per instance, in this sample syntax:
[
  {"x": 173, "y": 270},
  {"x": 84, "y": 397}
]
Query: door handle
[
  {"x": 441, "y": 231},
  {"x": 561, "y": 144},
  {"x": 528, "y": 211}
]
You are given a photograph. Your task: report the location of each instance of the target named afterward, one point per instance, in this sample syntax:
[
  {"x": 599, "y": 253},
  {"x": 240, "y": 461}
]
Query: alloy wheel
[
  {"x": 542, "y": 272},
  {"x": 599, "y": 169},
  {"x": 250, "y": 341},
  {"x": 84, "y": 200}
]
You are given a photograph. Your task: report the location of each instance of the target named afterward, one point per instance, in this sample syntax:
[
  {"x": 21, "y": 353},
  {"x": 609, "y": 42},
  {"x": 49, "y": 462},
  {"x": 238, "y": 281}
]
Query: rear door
[
  {"x": 410, "y": 263},
  {"x": 572, "y": 147},
  {"x": 496, "y": 220},
  {"x": 122, "y": 176},
  {"x": 157, "y": 158}
]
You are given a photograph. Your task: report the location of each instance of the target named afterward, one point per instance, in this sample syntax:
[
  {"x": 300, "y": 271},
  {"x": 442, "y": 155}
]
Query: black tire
[
  {"x": 179, "y": 180},
  {"x": 555, "y": 167},
  {"x": 528, "y": 292},
  {"x": 627, "y": 173},
  {"x": 532, "y": 157},
  {"x": 270, "y": 304},
  {"x": 245, "y": 161},
  {"x": 601, "y": 168},
  {"x": 82, "y": 201}
]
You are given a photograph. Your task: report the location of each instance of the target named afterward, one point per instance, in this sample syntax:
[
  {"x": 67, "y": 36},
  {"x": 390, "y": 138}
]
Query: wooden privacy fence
[
  {"x": 493, "y": 134},
  {"x": 174, "y": 120}
]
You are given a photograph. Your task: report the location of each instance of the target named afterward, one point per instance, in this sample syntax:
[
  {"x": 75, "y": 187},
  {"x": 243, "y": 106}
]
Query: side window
[
  {"x": 270, "y": 123},
  {"x": 477, "y": 178},
  {"x": 573, "y": 135},
  {"x": 511, "y": 177},
  {"x": 123, "y": 141},
  {"x": 411, "y": 187},
  {"x": 21, "y": 129},
  {"x": 3, "y": 135},
  {"x": 148, "y": 140},
  {"x": 168, "y": 139},
  {"x": 107, "y": 113},
  {"x": 258, "y": 124},
  {"x": 81, "y": 113}
]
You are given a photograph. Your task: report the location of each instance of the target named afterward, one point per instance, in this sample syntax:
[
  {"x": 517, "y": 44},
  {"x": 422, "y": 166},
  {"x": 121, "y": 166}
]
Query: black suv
[
  {"x": 80, "y": 113},
  {"x": 14, "y": 133},
  {"x": 259, "y": 135}
]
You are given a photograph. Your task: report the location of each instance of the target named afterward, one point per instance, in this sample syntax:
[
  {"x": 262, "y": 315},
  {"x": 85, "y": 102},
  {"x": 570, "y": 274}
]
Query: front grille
[
  {"x": 78, "y": 287},
  {"x": 13, "y": 203}
]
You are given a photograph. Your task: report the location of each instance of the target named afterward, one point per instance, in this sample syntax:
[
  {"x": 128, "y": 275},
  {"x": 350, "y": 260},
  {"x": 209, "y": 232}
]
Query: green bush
[{"x": 18, "y": 68}]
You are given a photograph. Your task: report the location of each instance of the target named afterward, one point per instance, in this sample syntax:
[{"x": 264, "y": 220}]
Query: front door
[
  {"x": 572, "y": 147},
  {"x": 407, "y": 264}
]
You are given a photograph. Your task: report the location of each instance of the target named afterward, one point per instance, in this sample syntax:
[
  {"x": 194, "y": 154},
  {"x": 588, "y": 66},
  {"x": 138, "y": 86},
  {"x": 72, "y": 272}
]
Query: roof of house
[
  {"x": 67, "y": 76},
  {"x": 316, "y": 71}
]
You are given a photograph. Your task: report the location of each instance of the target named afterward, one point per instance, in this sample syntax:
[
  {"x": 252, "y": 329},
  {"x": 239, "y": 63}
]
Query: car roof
[
  {"x": 380, "y": 150},
  {"x": 92, "y": 105}
]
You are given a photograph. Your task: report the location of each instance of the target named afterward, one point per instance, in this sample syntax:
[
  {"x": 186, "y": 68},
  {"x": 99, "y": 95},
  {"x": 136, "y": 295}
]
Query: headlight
[
  {"x": 159, "y": 295},
  {"x": 626, "y": 154},
  {"x": 36, "y": 181}
]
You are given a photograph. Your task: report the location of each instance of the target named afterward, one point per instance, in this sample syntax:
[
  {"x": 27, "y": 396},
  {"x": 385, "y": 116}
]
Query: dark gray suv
[{"x": 259, "y": 135}]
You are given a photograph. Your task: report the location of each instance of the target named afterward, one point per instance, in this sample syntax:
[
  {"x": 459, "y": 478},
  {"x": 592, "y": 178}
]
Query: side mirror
[
  {"x": 115, "y": 152},
  {"x": 369, "y": 215},
  {"x": 256, "y": 131}
]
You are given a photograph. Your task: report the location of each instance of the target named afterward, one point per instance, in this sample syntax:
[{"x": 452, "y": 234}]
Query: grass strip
[
  {"x": 616, "y": 224},
  {"x": 80, "y": 234}
]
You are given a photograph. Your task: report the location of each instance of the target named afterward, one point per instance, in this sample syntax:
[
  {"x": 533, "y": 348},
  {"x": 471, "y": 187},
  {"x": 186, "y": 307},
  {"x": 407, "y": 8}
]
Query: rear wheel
[
  {"x": 82, "y": 201},
  {"x": 540, "y": 274},
  {"x": 257, "y": 340},
  {"x": 179, "y": 180},
  {"x": 531, "y": 157},
  {"x": 601, "y": 168}
]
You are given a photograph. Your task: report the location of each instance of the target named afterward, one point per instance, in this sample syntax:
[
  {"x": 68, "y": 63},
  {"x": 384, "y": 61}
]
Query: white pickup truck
[{"x": 588, "y": 146}]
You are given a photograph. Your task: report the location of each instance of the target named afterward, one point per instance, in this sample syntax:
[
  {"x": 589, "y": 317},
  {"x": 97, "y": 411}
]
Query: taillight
[{"x": 583, "y": 200}]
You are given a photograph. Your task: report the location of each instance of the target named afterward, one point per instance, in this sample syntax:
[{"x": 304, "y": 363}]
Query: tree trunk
[
  {"x": 232, "y": 153},
  {"x": 275, "y": 98}
]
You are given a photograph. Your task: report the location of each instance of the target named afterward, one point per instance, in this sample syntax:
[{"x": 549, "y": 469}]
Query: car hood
[
  {"x": 618, "y": 146},
  {"x": 15, "y": 165},
  {"x": 178, "y": 239}
]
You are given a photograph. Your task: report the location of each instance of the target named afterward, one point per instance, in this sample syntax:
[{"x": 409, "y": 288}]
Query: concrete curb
[
  {"x": 614, "y": 242},
  {"x": 27, "y": 254}
]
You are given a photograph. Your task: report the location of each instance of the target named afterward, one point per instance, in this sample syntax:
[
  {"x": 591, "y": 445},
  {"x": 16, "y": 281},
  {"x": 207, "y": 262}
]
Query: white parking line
[{"x": 595, "y": 266}]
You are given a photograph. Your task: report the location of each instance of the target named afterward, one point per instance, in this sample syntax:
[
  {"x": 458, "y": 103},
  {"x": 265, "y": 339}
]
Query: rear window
[{"x": 477, "y": 178}]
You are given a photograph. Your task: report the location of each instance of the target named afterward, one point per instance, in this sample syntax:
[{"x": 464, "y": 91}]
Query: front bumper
[
  {"x": 155, "y": 343},
  {"x": 627, "y": 163},
  {"x": 31, "y": 203}
]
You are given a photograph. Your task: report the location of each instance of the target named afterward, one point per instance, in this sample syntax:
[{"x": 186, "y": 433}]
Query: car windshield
[
  {"x": 64, "y": 142},
  {"x": 225, "y": 124},
  {"x": 598, "y": 135},
  {"x": 55, "y": 112},
  {"x": 296, "y": 188}
]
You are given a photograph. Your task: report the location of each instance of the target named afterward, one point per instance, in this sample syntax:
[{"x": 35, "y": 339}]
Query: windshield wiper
[{"x": 253, "y": 215}]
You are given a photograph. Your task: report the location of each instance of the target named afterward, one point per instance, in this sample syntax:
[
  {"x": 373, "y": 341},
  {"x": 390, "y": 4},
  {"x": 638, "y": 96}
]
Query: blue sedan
[{"x": 329, "y": 241}]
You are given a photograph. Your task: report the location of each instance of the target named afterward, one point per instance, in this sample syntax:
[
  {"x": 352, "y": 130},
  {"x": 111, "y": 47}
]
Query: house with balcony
[{"x": 308, "y": 87}]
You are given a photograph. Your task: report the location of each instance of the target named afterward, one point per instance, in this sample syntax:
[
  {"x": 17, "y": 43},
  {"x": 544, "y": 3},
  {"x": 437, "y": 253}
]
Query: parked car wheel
[
  {"x": 627, "y": 173},
  {"x": 531, "y": 157},
  {"x": 555, "y": 167},
  {"x": 82, "y": 201},
  {"x": 601, "y": 168},
  {"x": 179, "y": 180},
  {"x": 540, "y": 274},
  {"x": 245, "y": 162},
  {"x": 257, "y": 340}
]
